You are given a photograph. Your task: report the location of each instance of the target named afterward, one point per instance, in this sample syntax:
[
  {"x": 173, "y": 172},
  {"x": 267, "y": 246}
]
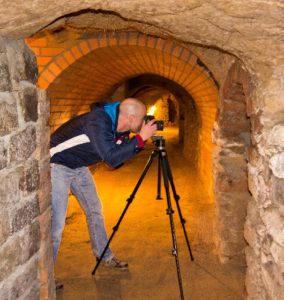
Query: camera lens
[{"x": 159, "y": 123}]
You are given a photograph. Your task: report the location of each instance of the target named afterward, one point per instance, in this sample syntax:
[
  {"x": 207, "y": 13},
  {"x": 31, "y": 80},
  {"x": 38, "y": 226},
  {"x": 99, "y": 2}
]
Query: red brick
[
  {"x": 141, "y": 40},
  {"x": 76, "y": 52},
  {"x": 151, "y": 41},
  {"x": 48, "y": 76},
  {"x": 62, "y": 62},
  {"x": 42, "y": 83},
  {"x": 69, "y": 57},
  {"x": 51, "y": 51},
  {"x": 103, "y": 41},
  {"x": 55, "y": 69},
  {"x": 37, "y": 42},
  {"x": 160, "y": 44},
  {"x": 43, "y": 61},
  {"x": 85, "y": 48},
  {"x": 94, "y": 43},
  {"x": 132, "y": 38}
]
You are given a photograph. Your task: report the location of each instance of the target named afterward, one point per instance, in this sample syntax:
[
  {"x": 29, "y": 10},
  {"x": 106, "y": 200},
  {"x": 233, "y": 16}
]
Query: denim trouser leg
[
  {"x": 60, "y": 184},
  {"x": 84, "y": 189},
  {"x": 81, "y": 182}
]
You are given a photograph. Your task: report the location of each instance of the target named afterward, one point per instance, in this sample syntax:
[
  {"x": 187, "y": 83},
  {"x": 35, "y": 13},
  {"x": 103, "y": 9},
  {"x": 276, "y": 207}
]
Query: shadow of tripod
[{"x": 164, "y": 171}]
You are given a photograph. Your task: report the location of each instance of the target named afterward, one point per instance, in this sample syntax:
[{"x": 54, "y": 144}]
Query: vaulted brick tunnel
[
  {"x": 98, "y": 64},
  {"x": 228, "y": 96}
]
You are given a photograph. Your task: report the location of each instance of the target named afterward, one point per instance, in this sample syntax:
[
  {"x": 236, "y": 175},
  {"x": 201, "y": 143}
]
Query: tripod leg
[
  {"x": 129, "y": 201},
  {"x": 170, "y": 213},
  {"x": 177, "y": 197},
  {"x": 159, "y": 179}
]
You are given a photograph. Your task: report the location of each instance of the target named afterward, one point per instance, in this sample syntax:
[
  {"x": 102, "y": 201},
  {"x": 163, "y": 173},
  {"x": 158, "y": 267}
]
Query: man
[{"x": 100, "y": 135}]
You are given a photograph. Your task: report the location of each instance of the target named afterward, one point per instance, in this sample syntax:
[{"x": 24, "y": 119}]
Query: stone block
[
  {"x": 29, "y": 180},
  {"x": 272, "y": 287},
  {"x": 273, "y": 104},
  {"x": 25, "y": 215},
  {"x": 29, "y": 102},
  {"x": 274, "y": 225},
  {"x": 18, "y": 249},
  {"x": 45, "y": 186},
  {"x": 5, "y": 226},
  {"x": 9, "y": 188},
  {"x": 30, "y": 63},
  {"x": 276, "y": 164},
  {"x": 277, "y": 190},
  {"x": 231, "y": 166},
  {"x": 254, "y": 157},
  {"x": 46, "y": 268},
  {"x": 15, "y": 61},
  {"x": 2, "y": 45},
  {"x": 254, "y": 284},
  {"x": 45, "y": 225},
  {"x": 22, "y": 145},
  {"x": 44, "y": 142},
  {"x": 8, "y": 114},
  {"x": 277, "y": 253},
  {"x": 5, "y": 83},
  {"x": 232, "y": 205},
  {"x": 33, "y": 292},
  {"x": 22, "y": 62},
  {"x": 252, "y": 237},
  {"x": 256, "y": 124},
  {"x": 3, "y": 155},
  {"x": 43, "y": 107},
  {"x": 4, "y": 291},
  {"x": 10, "y": 254},
  {"x": 34, "y": 241},
  {"x": 225, "y": 184},
  {"x": 25, "y": 279},
  {"x": 276, "y": 136}
]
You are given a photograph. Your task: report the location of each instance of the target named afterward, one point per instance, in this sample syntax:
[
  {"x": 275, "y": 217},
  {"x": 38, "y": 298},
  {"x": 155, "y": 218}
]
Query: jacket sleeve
[{"x": 99, "y": 131}]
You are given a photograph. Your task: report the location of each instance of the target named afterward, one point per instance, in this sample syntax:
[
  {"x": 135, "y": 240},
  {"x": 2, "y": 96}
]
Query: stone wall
[
  {"x": 25, "y": 248},
  {"x": 264, "y": 227},
  {"x": 232, "y": 138}
]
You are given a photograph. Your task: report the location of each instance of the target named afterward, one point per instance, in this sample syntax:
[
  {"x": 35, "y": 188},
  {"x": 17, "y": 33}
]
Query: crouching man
[{"x": 100, "y": 135}]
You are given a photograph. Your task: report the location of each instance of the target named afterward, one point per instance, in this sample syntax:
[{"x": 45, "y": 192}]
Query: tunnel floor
[{"x": 144, "y": 239}]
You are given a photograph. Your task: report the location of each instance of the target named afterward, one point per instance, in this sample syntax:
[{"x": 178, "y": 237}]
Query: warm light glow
[{"x": 151, "y": 110}]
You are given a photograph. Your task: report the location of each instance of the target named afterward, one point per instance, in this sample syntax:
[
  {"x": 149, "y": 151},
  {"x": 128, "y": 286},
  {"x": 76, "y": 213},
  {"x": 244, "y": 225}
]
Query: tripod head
[{"x": 159, "y": 141}]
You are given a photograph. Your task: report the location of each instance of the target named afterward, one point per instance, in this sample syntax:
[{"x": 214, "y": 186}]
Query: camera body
[{"x": 159, "y": 123}]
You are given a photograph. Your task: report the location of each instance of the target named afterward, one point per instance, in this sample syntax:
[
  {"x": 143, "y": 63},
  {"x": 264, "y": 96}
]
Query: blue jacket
[{"x": 92, "y": 137}]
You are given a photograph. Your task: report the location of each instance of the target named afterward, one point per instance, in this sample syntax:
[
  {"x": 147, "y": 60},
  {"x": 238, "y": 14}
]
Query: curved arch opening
[{"x": 219, "y": 35}]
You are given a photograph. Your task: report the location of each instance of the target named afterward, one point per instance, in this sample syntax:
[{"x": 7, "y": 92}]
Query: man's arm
[{"x": 99, "y": 131}]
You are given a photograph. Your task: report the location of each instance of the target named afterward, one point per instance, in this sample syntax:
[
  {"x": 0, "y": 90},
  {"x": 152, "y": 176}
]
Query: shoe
[
  {"x": 115, "y": 263},
  {"x": 58, "y": 285}
]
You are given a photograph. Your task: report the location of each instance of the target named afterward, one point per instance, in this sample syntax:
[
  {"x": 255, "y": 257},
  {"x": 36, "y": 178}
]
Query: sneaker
[
  {"x": 115, "y": 263},
  {"x": 58, "y": 285}
]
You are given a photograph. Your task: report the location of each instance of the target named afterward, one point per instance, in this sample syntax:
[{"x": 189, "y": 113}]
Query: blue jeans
[{"x": 81, "y": 183}]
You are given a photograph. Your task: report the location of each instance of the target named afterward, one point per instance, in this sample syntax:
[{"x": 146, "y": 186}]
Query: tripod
[{"x": 164, "y": 167}]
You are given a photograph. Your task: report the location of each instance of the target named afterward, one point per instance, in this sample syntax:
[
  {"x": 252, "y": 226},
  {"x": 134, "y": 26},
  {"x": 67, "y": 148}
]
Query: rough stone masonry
[
  {"x": 250, "y": 30},
  {"x": 25, "y": 249}
]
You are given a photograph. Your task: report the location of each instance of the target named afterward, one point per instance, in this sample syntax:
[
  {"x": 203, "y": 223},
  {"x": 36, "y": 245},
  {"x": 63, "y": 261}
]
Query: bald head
[
  {"x": 131, "y": 114},
  {"x": 132, "y": 106}
]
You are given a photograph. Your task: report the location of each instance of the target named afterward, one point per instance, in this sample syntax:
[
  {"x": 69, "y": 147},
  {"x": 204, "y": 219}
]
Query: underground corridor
[{"x": 220, "y": 98}]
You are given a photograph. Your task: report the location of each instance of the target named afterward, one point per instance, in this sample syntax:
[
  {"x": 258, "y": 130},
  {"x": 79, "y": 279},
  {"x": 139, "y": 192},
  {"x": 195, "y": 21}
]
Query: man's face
[{"x": 135, "y": 122}]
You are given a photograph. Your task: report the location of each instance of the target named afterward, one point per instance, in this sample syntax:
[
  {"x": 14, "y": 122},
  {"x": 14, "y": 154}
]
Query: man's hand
[{"x": 148, "y": 130}]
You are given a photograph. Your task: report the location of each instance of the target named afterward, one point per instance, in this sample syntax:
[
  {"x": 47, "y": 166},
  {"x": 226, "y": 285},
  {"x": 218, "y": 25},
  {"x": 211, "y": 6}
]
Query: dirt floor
[{"x": 144, "y": 239}]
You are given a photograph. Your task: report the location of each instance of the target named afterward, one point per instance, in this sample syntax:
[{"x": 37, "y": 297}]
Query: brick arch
[
  {"x": 114, "y": 65},
  {"x": 52, "y": 60},
  {"x": 82, "y": 72}
]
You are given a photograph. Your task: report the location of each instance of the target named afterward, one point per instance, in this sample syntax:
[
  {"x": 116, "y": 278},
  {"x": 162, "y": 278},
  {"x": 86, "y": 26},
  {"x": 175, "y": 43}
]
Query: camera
[{"x": 159, "y": 123}]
